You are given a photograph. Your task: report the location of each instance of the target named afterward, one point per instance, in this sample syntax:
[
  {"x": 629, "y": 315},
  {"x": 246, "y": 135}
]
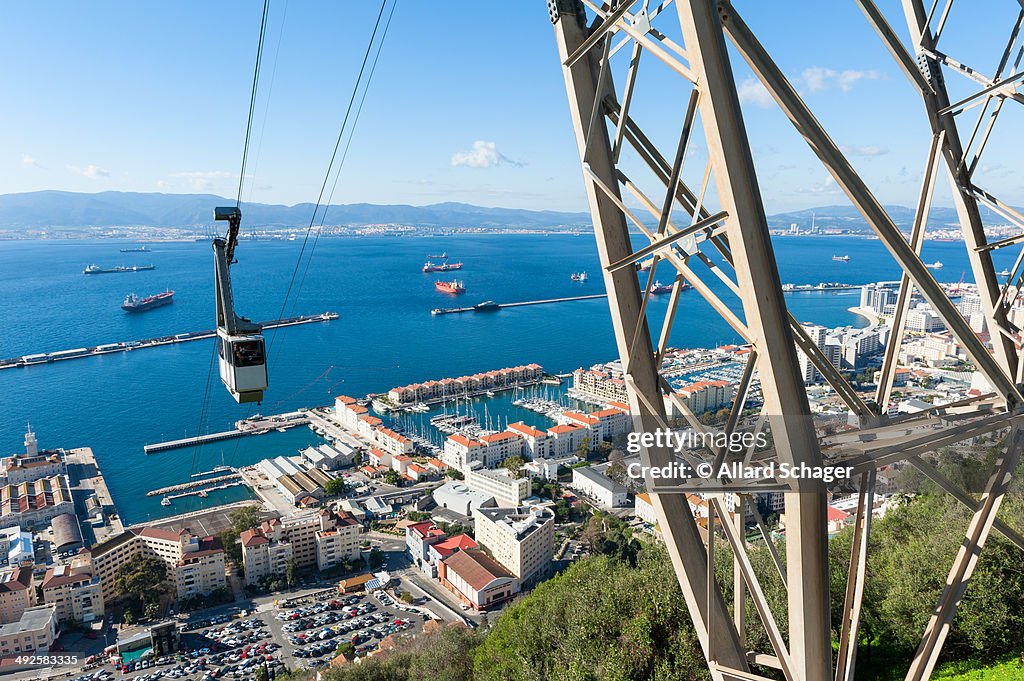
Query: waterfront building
[
  {"x": 393, "y": 442},
  {"x": 463, "y": 385},
  {"x": 498, "y": 483},
  {"x": 596, "y": 485},
  {"x": 378, "y": 457},
  {"x": 16, "y": 593},
  {"x": 461, "y": 452},
  {"x": 521, "y": 539},
  {"x": 33, "y": 464},
  {"x": 478, "y": 580},
  {"x": 34, "y": 503},
  {"x": 195, "y": 565},
  {"x": 16, "y": 547},
  {"x": 329, "y": 457},
  {"x": 74, "y": 592},
  {"x": 601, "y": 385},
  {"x": 705, "y": 396},
  {"x": 536, "y": 443},
  {"x": 35, "y": 632},
  {"x": 934, "y": 349}
]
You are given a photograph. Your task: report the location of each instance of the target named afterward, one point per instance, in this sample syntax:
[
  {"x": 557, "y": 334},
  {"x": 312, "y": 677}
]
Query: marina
[
  {"x": 125, "y": 346},
  {"x": 490, "y": 306}
]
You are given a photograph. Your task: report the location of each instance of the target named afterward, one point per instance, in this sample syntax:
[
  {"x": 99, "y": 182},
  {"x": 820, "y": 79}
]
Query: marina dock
[
  {"x": 125, "y": 346},
  {"x": 253, "y": 426},
  {"x": 501, "y": 306}
]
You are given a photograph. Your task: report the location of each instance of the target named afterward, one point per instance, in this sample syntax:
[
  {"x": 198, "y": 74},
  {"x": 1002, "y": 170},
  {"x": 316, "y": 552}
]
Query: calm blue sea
[{"x": 385, "y": 336}]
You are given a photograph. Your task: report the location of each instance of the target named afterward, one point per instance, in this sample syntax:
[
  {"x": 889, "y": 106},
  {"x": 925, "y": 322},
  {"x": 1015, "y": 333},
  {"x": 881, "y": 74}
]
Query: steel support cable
[{"x": 327, "y": 175}]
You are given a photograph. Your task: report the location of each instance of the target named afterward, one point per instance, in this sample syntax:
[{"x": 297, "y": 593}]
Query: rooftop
[{"x": 476, "y": 568}]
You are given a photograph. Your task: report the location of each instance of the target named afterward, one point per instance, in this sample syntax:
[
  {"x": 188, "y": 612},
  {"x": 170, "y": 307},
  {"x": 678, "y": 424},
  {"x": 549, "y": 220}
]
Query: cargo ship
[
  {"x": 96, "y": 269},
  {"x": 443, "y": 267},
  {"x": 132, "y": 303},
  {"x": 443, "y": 256},
  {"x": 660, "y": 288},
  {"x": 841, "y": 258},
  {"x": 453, "y": 286},
  {"x": 140, "y": 249}
]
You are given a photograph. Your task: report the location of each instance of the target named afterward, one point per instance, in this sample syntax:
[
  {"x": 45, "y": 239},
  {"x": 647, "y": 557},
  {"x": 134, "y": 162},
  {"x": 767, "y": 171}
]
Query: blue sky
[{"x": 467, "y": 103}]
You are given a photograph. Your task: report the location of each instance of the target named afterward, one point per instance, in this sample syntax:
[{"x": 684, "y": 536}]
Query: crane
[{"x": 242, "y": 357}]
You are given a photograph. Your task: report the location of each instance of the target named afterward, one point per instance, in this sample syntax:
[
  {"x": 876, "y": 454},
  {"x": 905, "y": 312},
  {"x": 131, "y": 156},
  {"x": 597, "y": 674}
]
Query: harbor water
[{"x": 385, "y": 335}]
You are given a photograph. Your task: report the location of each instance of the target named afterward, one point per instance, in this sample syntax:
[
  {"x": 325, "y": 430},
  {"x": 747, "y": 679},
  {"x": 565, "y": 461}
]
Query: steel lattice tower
[{"x": 717, "y": 231}]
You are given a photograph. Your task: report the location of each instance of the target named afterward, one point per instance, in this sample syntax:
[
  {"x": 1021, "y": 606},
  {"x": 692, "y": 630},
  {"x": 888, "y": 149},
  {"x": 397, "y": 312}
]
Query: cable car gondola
[{"x": 241, "y": 353}]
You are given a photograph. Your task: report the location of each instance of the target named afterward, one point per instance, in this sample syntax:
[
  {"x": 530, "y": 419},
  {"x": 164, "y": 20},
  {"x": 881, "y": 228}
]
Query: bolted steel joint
[{"x": 560, "y": 8}]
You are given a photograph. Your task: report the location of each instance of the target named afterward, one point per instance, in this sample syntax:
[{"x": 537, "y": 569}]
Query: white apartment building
[
  {"x": 506, "y": 490},
  {"x": 521, "y": 539},
  {"x": 599, "y": 487},
  {"x": 537, "y": 444},
  {"x": 460, "y": 451}
]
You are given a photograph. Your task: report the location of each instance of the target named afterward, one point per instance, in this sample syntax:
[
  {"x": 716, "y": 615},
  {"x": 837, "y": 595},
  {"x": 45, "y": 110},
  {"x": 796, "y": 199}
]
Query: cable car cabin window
[{"x": 247, "y": 353}]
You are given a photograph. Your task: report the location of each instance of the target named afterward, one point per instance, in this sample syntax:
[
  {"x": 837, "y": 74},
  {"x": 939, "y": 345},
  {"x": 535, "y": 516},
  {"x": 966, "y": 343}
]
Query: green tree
[
  {"x": 514, "y": 465},
  {"x": 454, "y": 474},
  {"x": 346, "y": 649},
  {"x": 244, "y": 518},
  {"x": 232, "y": 547},
  {"x": 261, "y": 673},
  {"x": 289, "y": 572},
  {"x": 141, "y": 578},
  {"x": 152, "y": 610},
  {"x": 392, "y": 477},
  {"x": 583, "y": 448},
  {"x": 335, "y": 487},
  {"x": 406, "y": 597},
  {"x": 128, "y": 617},
  {"x": 376, "y": 559}
]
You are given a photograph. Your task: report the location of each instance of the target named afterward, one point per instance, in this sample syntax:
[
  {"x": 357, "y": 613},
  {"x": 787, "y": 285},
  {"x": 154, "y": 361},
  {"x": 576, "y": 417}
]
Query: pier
[
  {"x": 126, "y": 346},
  {"x": 253, "y": 426},
  {"x": 193, "y": 484},
  {"x": 501, "y": 306}
]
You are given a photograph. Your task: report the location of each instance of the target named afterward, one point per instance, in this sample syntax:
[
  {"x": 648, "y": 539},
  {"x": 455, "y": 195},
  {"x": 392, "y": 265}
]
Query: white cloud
[
  {"x": 864, "y": 150},
  {"x": 201, "y": 180},
  {"x": 483, "y": 155},
  {"x": 752, "y": 92},
  {"x": 91, "y": 171},
  {"x": 29, "y": 160},
  {"x": 820, "y": 78}
]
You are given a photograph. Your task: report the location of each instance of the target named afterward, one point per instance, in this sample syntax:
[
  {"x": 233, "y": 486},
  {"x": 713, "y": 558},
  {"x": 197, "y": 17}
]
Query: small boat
[
  {"x": 841, "y": 258},
  {"x": 578, "y": 276},
  {"x": 443, "y": 256},
  {"x": 202, "y": 494},
  {"x": 487, "y": 306},
  {"x": 660, "y": 288},
  {"x": 419, "y": 408},
  {"x": 165, "y": 501},
  {"x": 453, "y": 286},
  {"x": 1004, "y": 273},
  {"x": 490, "y": 393},
  {"x": 937, "y": 265}
]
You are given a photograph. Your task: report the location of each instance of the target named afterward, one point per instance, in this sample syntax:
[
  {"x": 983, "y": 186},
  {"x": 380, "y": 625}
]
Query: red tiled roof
[
  {"x": 253, "y": 537},
  {"x": 344, "y": 399},
  {"x": 526, "y": 430},
  {"x": 476, "y": 568},
  {"x": 459, "y": 542},
  {"x": 581, "y": 418},
  {"x": 498, "y": 437},
  {"x": 463, "y": 440},
  {"x": 560, "y": 430}
]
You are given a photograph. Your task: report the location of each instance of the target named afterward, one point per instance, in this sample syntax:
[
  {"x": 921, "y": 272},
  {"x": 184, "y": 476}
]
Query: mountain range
[{"x": 78, "y": 211}]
